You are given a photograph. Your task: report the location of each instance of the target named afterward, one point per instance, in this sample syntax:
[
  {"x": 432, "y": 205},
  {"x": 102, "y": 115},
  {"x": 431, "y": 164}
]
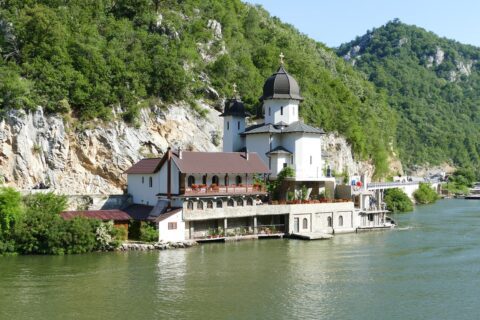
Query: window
[
  {"x": 172, "y": 226},
  {"x": 305, "y": 223},
  {"x": 239, "y": 202},
  {"x": 370, "y": 217},
  {"x": 238, "y": 125},
  {"x": 329, "y": 221},
  {"x": 200, "y": 205},
  {"x": 238, "y": 180},
  {"x": 340, "y": 221},
  {"x": 249, "y": 202},
  {"x": 191, "y": 180},
  {"x": 311, "y": 160},
  {"x": 281, "y": 111},
  {"x": 284, "y": 164},
  {"x": 210, "y": 204},
  {"x": 228, "y": 125},
  {"x": 230, "y": 203},
  {"x": 219, "y": 203},
  {"x": 269, "y": 111},
  {"x": 226, "y": 180},
  {"x": 190, "y": 205},
  {"x": 204, "y": 179},
  {"x": 143, "y": 180},
  {"x": 150, "y": 182},
  {"x": 215, "y": 180}
]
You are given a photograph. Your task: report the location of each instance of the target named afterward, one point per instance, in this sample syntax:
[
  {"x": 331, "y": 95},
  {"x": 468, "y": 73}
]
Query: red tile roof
[
  {"x": 167, "y": 214},
  {"x": 145, "y": 166},
  {"x": 116, "y": 215},
  {"x": 205, "y": 162},
  {"x": 219, "y": 162}
]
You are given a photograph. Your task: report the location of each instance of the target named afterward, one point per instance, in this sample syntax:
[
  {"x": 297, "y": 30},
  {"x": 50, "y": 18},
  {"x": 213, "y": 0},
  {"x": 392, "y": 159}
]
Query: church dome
[
  {"x": 281, "y": 85},
  {"x": 234, "y": 107}
]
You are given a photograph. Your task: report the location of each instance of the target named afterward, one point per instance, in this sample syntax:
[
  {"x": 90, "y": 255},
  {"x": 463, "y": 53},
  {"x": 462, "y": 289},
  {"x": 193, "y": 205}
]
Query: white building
[{"x": 282, "y": 139}]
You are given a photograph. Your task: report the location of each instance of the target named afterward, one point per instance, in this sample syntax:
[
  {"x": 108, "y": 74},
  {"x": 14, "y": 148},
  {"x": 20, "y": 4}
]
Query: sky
[{"x": 334, "y": 22}]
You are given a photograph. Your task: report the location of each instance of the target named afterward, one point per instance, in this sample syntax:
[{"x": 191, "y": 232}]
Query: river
[{"x": 428, "y": 268}]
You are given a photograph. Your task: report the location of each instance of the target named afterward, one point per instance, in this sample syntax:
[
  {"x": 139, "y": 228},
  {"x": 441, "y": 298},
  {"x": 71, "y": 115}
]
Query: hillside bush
[
  {"x": 397, "y": 200},
  {"x": 425, "y": 194}
]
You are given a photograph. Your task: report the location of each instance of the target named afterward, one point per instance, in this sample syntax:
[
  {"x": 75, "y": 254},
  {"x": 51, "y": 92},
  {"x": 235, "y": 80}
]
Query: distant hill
[
  {"x": 434, "y": 85},
  {"x": 85, "y": 58}
]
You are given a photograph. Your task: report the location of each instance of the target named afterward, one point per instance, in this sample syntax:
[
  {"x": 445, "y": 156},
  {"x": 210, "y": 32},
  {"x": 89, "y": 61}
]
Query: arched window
[
  {"x": 215, "y": 180},
  {"x": 269, "y": 111},
  {"x": 191, "y": 180},
  {"x": 249, "y": 202},
  {"x": 281, "y": 111},
  {"x": 238, "y": 125},
  {"x": 340, "y": 221},
  {"x": 200, "y": 205},
  {"x": 238, "y": 180},
  {"x": 210, "y": 204},
  {"x": 305, "y": 223},
  {"x": 226, "y": 180},
  {"x": 150, "y": 182},
  {"x": 204, "y": 179},
  {"x": 190, "y": 205},
  {"x": 240, "y": 202},
  {"x": 329, "y": 221},
  {"x": 219, "y": 203},
  {"x": 228, "y": 125},
  {"x": 230, "y": 203}
]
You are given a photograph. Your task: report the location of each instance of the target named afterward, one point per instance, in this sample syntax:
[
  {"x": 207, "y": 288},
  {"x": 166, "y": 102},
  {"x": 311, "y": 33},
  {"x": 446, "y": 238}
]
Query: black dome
[
  {"x": 234, "y": 107},
  {"x": 281, "y": 85}
]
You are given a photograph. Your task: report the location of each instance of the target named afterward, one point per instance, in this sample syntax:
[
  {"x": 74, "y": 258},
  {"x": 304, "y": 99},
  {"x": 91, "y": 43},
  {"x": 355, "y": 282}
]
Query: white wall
[
  {"x": 232, "y": 141},
  {"x": 163, "y": 179},
  {"x": 308, "y": 145},
  {"x": 142, "y": 193},
  {"x": 259, "y": 143},
  {"x": 172, "y": 235},
  {"x": 273, "y": 111}
]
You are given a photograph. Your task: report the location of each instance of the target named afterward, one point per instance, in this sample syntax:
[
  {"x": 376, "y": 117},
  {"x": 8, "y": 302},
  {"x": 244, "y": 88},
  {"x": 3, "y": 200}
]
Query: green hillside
[
  {"x": 434, "y": 85},
  {"x": 85, "y": 57}
]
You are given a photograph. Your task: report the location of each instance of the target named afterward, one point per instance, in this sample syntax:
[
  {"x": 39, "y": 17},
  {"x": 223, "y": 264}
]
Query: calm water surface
[{"x": 427, "y": 269}]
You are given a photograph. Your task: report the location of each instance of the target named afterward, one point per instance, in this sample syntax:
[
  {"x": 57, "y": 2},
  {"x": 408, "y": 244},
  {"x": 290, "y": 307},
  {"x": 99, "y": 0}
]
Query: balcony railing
[
  {"x": 245, "y": 231},
  {"x": 232, "y": 189}
]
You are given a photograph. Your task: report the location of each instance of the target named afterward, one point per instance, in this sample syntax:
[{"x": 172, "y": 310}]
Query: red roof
[
  {"x": 145, "y": 166},
  {"x": 168, "y": 214},
  {"x": 116, "y": 215},
  {"x": 205, "y": 162}
]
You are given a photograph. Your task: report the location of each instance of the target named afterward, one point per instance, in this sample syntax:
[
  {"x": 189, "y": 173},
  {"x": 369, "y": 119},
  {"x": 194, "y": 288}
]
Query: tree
[
  {"x": 10, "y": 210},
  {"x": 425, "y": 194},
  {"x": 397, "y": 200}
]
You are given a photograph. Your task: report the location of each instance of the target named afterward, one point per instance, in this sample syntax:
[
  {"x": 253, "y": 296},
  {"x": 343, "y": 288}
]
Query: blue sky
[{"x": 334, "y": 22}]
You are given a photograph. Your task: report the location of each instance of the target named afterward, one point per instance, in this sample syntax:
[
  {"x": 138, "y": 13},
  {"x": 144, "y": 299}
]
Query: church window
[
  {"x": 340, "y": 221},
  {"x": 269, "y": 111},
  {"x": 281, "y": 111},
  {"x": 329, "y": 221},
  {"x": 228, "y": 125},
  {"x": 150, "y": 182},
  {"x": 305, "y": 223},
  {"x": 238, "y": 125},
  {"x": 191, "y": 180}
]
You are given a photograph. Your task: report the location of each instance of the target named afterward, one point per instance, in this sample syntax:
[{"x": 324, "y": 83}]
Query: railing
[
  {"x": 381, "y": 185},
  {"x": 233, "y": 189},
  {"x": 283, "y": 202},
  {"x": 243, "y": 231}
]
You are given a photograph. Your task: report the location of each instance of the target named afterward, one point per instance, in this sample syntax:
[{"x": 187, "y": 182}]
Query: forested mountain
[
  {"x": 434, "y": 85},
  {"x": 85, "y": 58}
]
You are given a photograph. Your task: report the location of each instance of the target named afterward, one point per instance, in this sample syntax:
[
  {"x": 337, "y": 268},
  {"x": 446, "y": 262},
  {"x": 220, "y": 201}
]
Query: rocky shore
[{"x": 141, "y": 246}]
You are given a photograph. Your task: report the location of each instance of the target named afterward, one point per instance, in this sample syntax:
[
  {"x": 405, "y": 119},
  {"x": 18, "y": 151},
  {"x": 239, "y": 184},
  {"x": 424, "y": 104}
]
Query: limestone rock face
[
  {"x": 337, "y": 153},
  {"x": 36, "y": 148}
]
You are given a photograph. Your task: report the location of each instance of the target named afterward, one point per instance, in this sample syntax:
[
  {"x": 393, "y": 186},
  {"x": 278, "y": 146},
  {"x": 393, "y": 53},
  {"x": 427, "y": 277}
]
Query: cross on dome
[
  {"x": 234, "y": 89},
  {"x": 281, "y": 58}
]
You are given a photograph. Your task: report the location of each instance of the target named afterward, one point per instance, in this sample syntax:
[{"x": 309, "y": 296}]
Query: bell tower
[{"x": 234, "y": 115}]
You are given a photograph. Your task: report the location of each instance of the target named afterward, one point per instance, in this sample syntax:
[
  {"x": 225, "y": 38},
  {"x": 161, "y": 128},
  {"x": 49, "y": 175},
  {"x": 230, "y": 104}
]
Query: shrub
[
  {"x": 425, "y": 194},
  {"x": 80, "y": 235},
  {"x": 10, "y": 210},
  {"x": 148, "y": 233},
  {"x": 105, "y": 236},
  {"x": 397, "y": 200}
]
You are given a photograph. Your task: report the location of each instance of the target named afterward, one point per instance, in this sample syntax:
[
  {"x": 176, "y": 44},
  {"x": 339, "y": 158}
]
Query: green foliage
[
  {"x": 274, "y": 186},
  {"x": 425, "y": 194},
  {"x": 148, "y": 233},
  {"x": 397, "y": 200},
  {"x": 105, "y": 236},
  {"x": 80, "y": 235},
  {"x": 435, "y": 99},
  {"x": 10, "y": 211},
  {"x": 68, "y": 55},
  {"x": 460, "y": 181},
  {"x": 303, "y": 192}
]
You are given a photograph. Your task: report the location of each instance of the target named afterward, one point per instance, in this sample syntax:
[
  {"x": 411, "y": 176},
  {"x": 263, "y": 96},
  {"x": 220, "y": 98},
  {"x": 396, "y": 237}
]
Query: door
[{"x": 296, "y": 225}]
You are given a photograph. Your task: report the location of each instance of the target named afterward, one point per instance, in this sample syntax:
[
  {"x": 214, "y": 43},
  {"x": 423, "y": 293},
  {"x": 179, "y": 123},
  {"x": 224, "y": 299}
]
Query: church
[{"x": 282, "y": 139}]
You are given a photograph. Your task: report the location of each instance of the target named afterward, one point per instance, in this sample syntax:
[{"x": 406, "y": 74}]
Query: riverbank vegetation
[
  {"x": 397, "y": 200},
  {"x": 460, "y": 181},
  {"x": 425, "y": 194},
  {"x": 33, "y": 225}
]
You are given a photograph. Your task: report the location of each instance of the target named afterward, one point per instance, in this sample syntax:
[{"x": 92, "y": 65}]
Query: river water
[{"x": 429, "y": 268}]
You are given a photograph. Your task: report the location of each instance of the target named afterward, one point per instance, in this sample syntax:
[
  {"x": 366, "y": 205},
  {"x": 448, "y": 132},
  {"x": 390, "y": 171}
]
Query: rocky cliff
[{"x": 36, "y": 148}]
